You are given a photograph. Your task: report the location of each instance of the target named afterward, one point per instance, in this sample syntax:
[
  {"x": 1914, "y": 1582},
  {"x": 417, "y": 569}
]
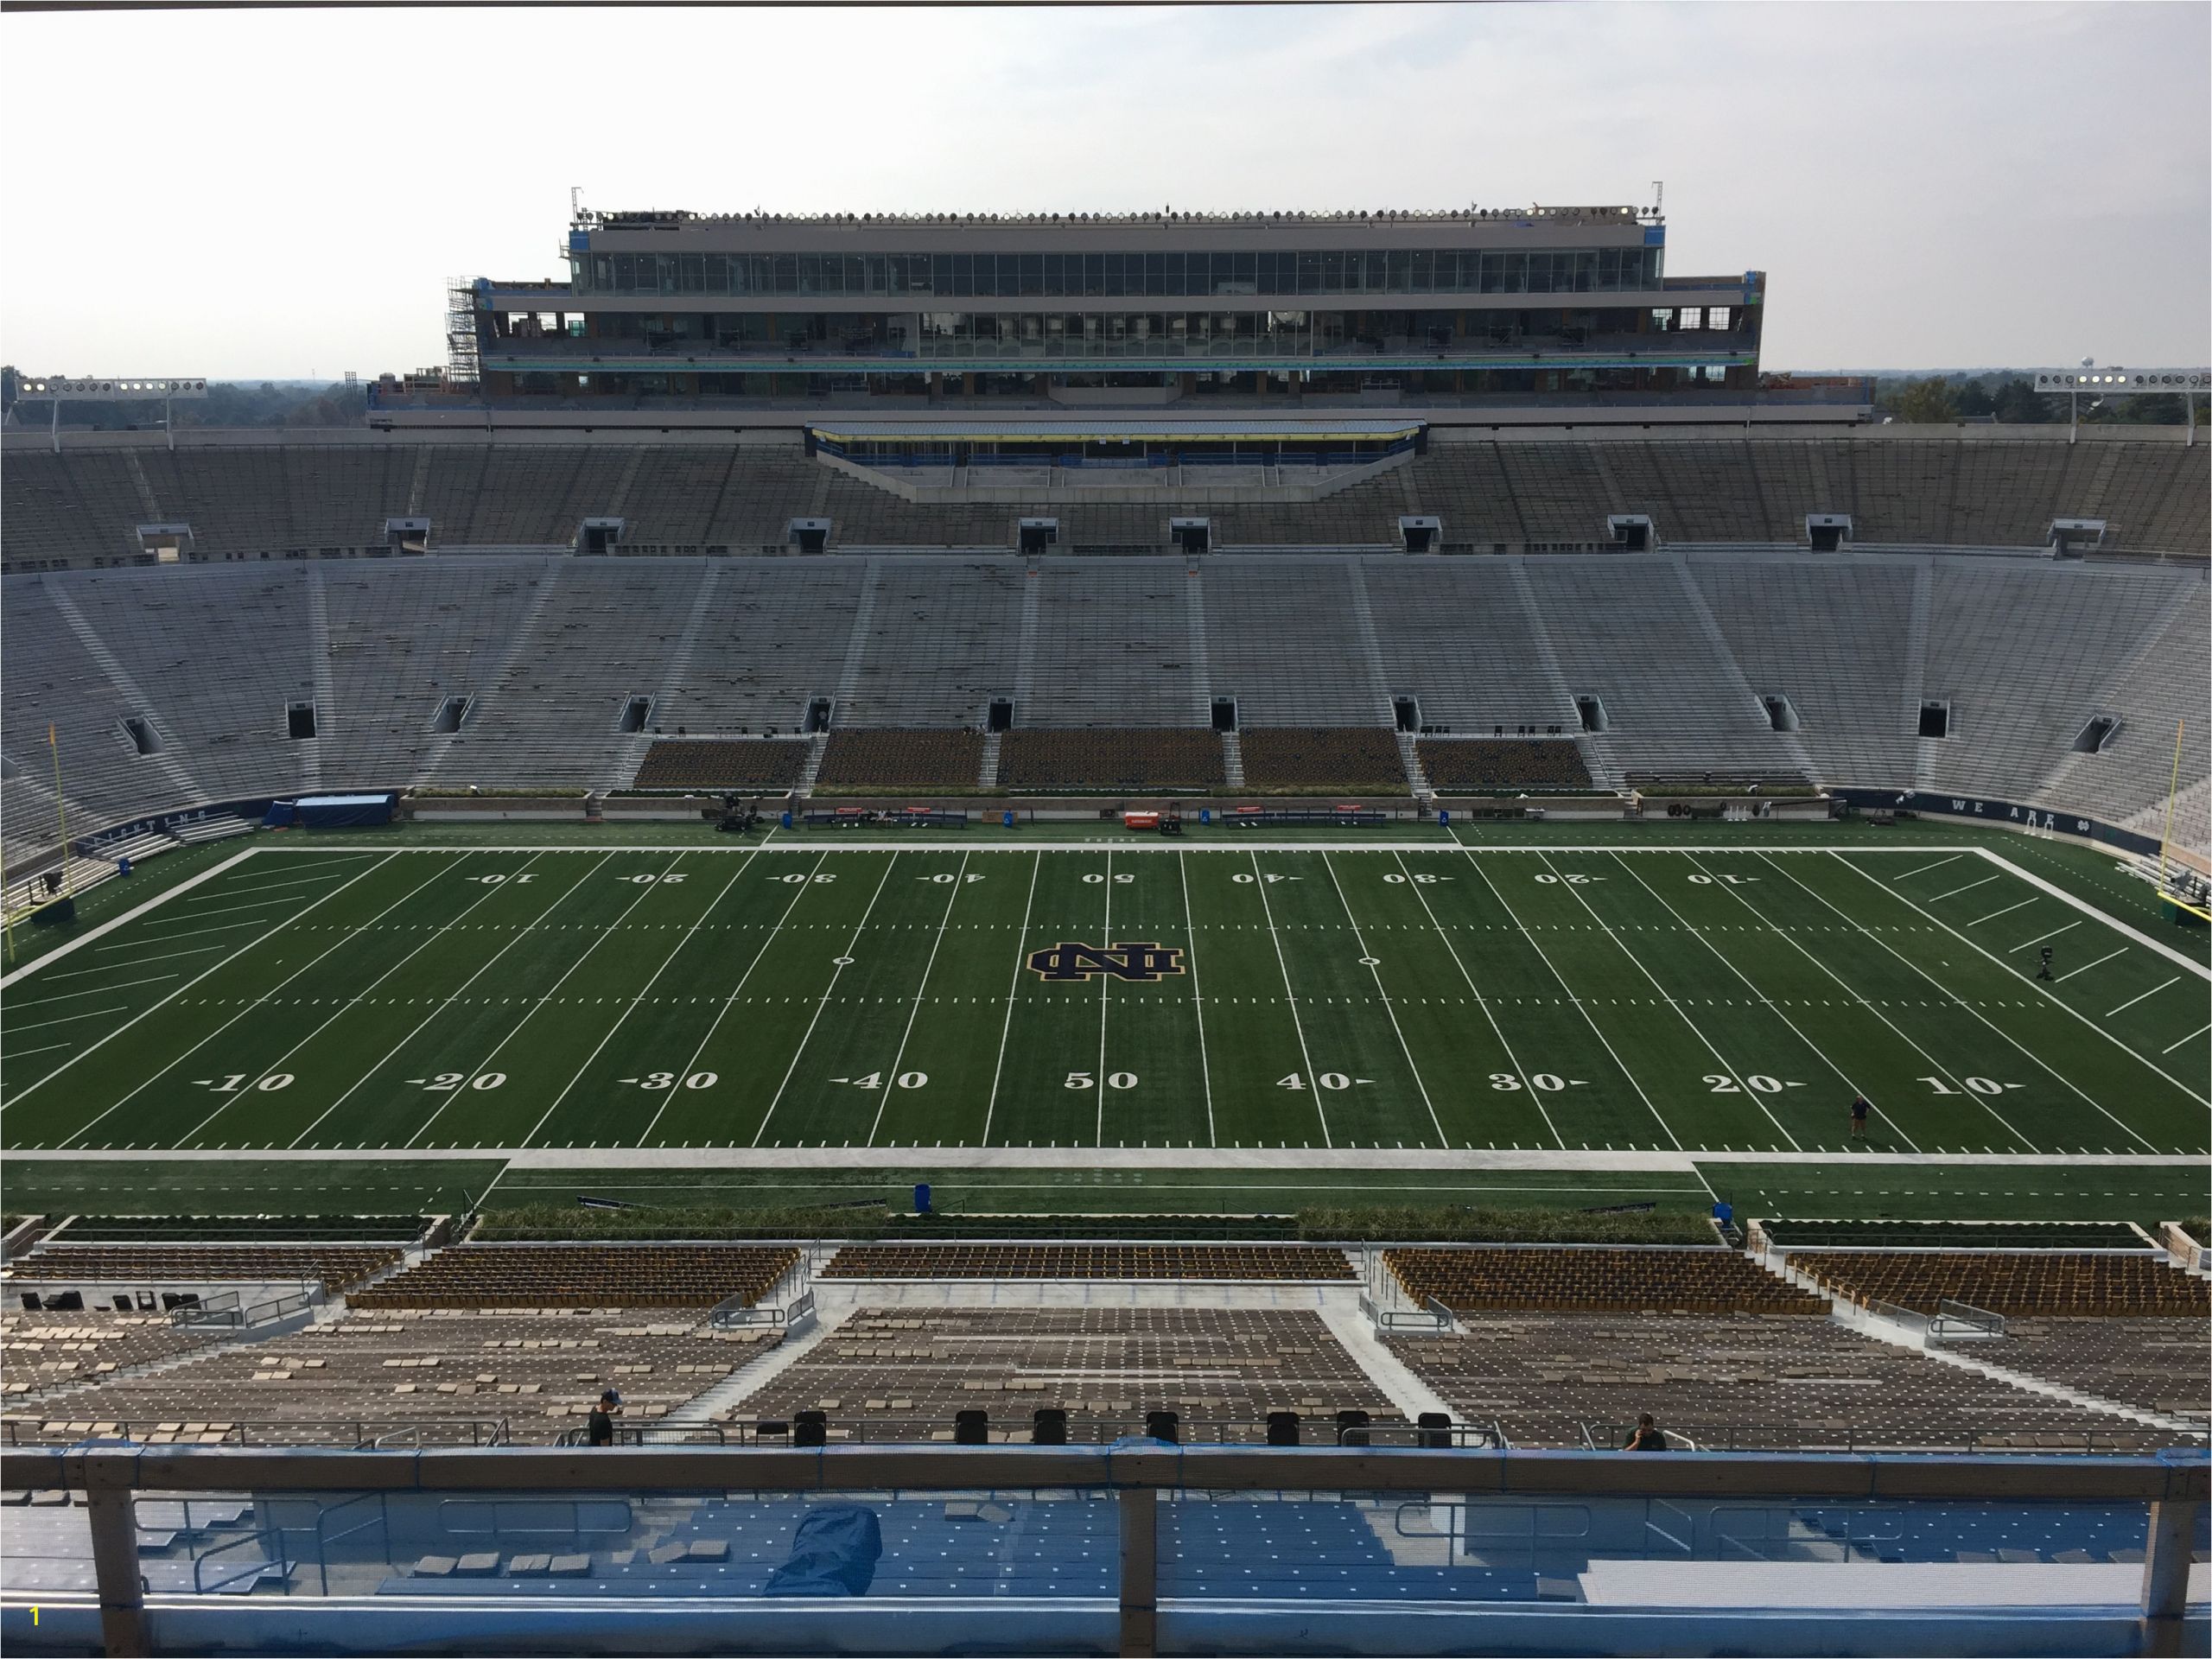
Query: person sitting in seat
[{"x": 1648, "y": 1436}]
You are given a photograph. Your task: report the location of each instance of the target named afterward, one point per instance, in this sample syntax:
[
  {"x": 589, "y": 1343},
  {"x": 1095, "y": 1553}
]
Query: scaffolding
[{"x": 463, "y": 370}]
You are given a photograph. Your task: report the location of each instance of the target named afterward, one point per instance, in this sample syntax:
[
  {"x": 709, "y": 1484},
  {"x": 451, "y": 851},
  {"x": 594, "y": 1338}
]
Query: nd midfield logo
[{"x": 1072, "y": 959}]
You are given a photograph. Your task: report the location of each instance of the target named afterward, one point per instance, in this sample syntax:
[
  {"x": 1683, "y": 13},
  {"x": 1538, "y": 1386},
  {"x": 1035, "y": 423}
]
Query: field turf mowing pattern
[{"x": 828, "y": 995}]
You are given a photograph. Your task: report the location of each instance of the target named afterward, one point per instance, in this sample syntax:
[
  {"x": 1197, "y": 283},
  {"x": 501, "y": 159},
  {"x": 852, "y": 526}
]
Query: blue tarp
[{"x": 834, "y": 1553}]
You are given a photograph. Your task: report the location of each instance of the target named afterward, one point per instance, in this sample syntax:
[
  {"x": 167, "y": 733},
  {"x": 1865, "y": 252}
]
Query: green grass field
[{"x": 1065, "y": 1024}]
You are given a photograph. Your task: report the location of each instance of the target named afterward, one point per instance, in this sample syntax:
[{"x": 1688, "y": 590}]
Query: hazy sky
[{"x": 1928, "y": 183}]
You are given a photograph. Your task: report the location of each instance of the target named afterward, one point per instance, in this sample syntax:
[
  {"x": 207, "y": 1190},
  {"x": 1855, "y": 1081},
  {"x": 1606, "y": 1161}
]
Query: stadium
[{"x": 1143, "y": 966}]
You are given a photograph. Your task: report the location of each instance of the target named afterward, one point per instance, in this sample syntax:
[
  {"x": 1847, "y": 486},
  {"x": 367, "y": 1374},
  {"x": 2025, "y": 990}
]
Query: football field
[{"x": 706, "y": 1004}]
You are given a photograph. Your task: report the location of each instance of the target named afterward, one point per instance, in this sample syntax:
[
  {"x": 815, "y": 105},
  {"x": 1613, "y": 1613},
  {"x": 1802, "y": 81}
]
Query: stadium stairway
[{"x": 1232, "y": 760}]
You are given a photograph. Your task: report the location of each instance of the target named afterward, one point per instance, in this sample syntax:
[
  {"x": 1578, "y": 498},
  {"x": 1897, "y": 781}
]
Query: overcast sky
[{"x": 277, "y": 193}]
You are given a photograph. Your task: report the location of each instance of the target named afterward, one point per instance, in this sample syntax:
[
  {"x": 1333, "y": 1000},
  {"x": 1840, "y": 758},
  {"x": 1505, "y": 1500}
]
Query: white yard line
[
  {"x": 743, "y": 980},
  {"x": 683, "y": 939},
  {"x": 185, "y": 913},
  {"x": 2052, "y": 997},
  {"x": 1955, "y": 892},
  {"x": 1021, "y": 955},
  {"x": 2086, "y": 966},
  {"x": 94, "y": 990},
  {"x": 67, "y": 1019},
  {"x": 1634, "y": 1082},
  {"x": 1843, "y": 1076},
  {"x": 2007, "y": 911},
  {"x": 1696, "y": 1030},
  {"x": 1483, "y": 1002},
  {"x": 131, "y": 915},
  {"x": 194, "y": 933},
  {"x": 19, "y": 1053},
  {"x": 345, "y": 1006},
  {"x": 799, "y": 1052},
  {"x": 269, "y": 933},
  {"x": 2089, "y": 910},
  {"x": 936, "y": 938},
  {"x": 1290, "y": 995},
  {"x": 295, "y": 881},
  {"x": 110, "y": 967},
  {"x": 1937, "y": 865},
  {"x": 2153, "y": 991},
  {"x": 253, "y": 1005},
  {"x": 1359, "y": 939},
  {"x": 2015, "y": 951},
  {"x": 521, "y": 933},
  {"x": 1860, "y": 1000},
  {"x": 1953, "y": 998},
  {"x": 2191, "y": 1037},
  {"x": 1198, "y": 1001},
  {"x": 1105, "y": 983}
]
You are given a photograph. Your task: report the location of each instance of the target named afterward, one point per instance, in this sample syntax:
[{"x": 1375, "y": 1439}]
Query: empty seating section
[
  {"x": 585, "y": 1275},
  {"x": 53, "y": 681},
  {"x": 1113, "y": 646},
  {"x": 1743, "y": 1382},
  {"x": 1832, "y": 637},
  {"x": 595, "y": 637},
  {"x": 1625, "y": 632},
  {"x": 335, "y": 1267},
  {"x": 1280, "y": 639},
  {"x": 1364, "y": 758},
  {"x": 1111, "y": 760},
  {"x": 46, "y": 1351},
  {"x": 1455, "y": 634},
  {"x": 419, "y": 1377},
  {"x": 2152, "y": 1365},
  {"x": 1599, "y": 1279},
  {"x": 773, "y": 634},
  {"x": 1270, "y": 1262},
  {"x": 2151, "y": 694},
  {"x": 722, "y": 763},
  {"x": 1485, "y": 763},
  {"x": 940, "y": 643},
  {"x": 901, "y": 760},
  {"x": 672, "y": 495},
  {"x": 227, "y": 653},
  {"x": 903, "y": 1373},
  {"x": 77, "y": 506},
  {"x": 2023, "y": 657},
  {"x": 689, "y": 496},
  {"x": 1113, "y": 667},
  {"x": 406, "y": 636},
  {"x": 2114, "y": 1284}
]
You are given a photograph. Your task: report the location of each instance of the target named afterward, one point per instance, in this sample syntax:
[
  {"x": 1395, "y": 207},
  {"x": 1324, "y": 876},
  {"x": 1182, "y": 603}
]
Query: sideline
[{"x": 1194, "y": 1160}]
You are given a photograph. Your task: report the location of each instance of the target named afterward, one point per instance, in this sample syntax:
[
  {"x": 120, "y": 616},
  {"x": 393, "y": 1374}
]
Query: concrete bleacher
[
  {"x": 546, "y": 651},
  {"x": 1456, "y": 636},
  {"x": 1626, "y": 630},
  {"x": 2023, "y": 657},
  {"x": 1738, "y": 1381},
  {"x": 685, "y": 495},
  {"x": 941, "y": 639},
  {"x": 903, "y": 1372},
  {"x": 1834, "y": 638},
  {"x": 1113, "y": 646},
  {"x": 535, "y": 1371}
]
